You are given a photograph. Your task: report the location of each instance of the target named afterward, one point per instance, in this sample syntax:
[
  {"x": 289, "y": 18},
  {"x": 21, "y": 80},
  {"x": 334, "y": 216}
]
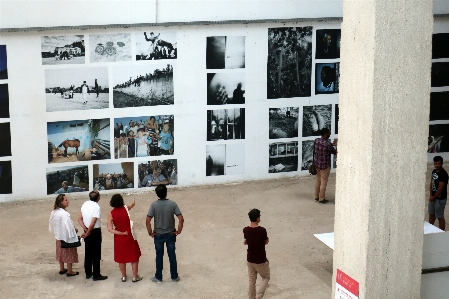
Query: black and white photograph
[
  {"x": 4, "y": 101},
  {"x": 5, "y": 139},
  {"x": 226, "y": 124},
  {"x": 143, "y": 85},
  {"x": 289, "y": 65},
  {"x": 439, "y": 106},
  {"x": 225, "y": 159},
  {"x": 154, "y": 45},
  {"x": 66, "y": 49},
  {"x": 110, "y": 47},
  {"x": 334, "y": 161},
  {"x": 283, "y": 157},
  {"x": 156, "y": 172},
  {"x": 316, "y": 118},
  {"x": 307, "y": 154},
  {"x": 283, "y": 122},
  {"x": 67, "y": 179},
  {"x": 438, "y": 140},
  {"x": 328, "y": 43},
  {"x": 113, "y": 176},
  {"x": 337, "y": 117},
  {"x": 440, "y": 48},
  {"x": 225, "y": 88},
  {"x": 77, "y": 89},
  {"x": 225, "y": 52},
  {"x": 440, "y": 74},
  {"x": 78, "y": 140},
  {"x": 327, "y": 78},
  {"x": 5, "y": 177},
  {"x": 143, "y": 136},
  {"x": 3, "y": 63}
]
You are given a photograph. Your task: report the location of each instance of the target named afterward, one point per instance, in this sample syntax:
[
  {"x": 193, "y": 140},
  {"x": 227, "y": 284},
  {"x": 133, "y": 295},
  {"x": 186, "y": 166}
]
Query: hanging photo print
[
  {"x": 315, "y": 118},
  {"x": 110, "y": 47},
  {"x": 283, "y": 157},
  {"x": 156, "y": 45},
  {"x": 157, "y": 172},
  {"x": 113, "y": 176},
  {"x": 66, "y": 49},
  {"x": 225, "y": 52},
  {"x": 67, "y": 179},
  {"x": 283, "y": 122}
]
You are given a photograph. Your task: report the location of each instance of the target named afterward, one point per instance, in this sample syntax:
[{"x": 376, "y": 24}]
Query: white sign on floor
[{"x": 345, "y": 286}]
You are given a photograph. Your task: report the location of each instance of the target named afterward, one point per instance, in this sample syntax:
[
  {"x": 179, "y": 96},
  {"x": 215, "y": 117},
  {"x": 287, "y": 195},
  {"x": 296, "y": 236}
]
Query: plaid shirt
[{"x": 323, "y": 151}]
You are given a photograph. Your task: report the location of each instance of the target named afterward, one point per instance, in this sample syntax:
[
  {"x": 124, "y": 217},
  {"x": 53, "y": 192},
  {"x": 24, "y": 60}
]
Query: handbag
[
  {"x": 312, "y": 167},
  {"x": 64, "y": 244},
  {"x": 131, "y": 223}
]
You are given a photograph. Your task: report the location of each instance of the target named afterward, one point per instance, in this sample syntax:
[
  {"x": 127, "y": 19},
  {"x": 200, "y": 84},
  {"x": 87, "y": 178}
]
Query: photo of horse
[
  {"x": 156, "y": 45},
  {"x": 110, "y": 47},
  {"x": 66, "y": 49},
  {"x": 78, "y": 140}
]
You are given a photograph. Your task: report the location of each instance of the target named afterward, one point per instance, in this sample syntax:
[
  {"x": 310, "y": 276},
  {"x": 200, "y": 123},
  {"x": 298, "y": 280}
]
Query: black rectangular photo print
[
  {"x": 225, "y": 52},
  {"x": 4, "y": 101},
  {"x": 77, "y": 88},
  {"x": 110, "y": 47},
  {"x": 307, "y": 154},
  {"x": 328, "y": 43},
  {"x": 337, "y": 117},
  {"x": 225, "y": 88},
  {"x": 327, "y": 78},
  {"x": 66, "y": 49},
  {"x": 438, "y": 140},
  {"x": 439, "y": 105},
  {"x": 5, "y": 177},
  {"x": 226, "y": 124},
  {"x": 113, "y": 176},
  {"x": 440, "y": 74},
  {"x": 143, "y": 85},
  {"x": 225, "y": 159},
  {"x": 315, "y": 118},
  {"x": 283, "y": 122},
  {"x": 78, "y": 140},
  {"x": 289, "y": 66},
  {"x": 5, "y": 139},
  {"x": 157, "y": 172},
  {"x": 67, "y": 179},
  {"x": 143, "y": 136},
  {"x": 3, "y": 63},
  {"x": 283, "y": 157},
  {"x": 440, "y": 45},
  {"x": 156, "y": 45}
]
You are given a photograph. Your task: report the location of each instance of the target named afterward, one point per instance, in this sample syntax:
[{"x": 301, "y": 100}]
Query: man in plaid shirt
[{"x": 322, "y": 160}]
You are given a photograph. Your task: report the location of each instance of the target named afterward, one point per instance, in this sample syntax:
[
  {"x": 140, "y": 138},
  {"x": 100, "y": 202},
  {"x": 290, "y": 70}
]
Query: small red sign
[{"x": 347, "y": 282}]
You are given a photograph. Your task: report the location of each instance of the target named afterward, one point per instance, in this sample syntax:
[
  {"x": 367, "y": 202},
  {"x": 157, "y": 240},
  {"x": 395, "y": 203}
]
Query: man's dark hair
[
  {"x": 116, "y": 201},
  {"x": 325, "y": 131},
  {"x": 161, "y": 191},
  {"x": 253, "y": 215},
  {"x": 438, "y": 159},
  {"x": 94, "y": 195}
]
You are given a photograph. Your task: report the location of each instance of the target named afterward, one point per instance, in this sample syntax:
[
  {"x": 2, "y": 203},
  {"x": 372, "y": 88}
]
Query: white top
[
  {"x": 61, "y": 226},
  {"x": 91, "y": 209}
]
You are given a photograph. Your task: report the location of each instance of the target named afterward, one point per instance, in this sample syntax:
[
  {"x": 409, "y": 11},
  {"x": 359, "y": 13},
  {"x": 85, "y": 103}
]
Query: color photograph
[
  {"x": 283, "y": 122},
  {"x": 289, "y": 66},
  {"x": 157, "y": 172},
  {"x": 328, "y": 43},
  {"x": 327, "y": 78},
  {"x": 113, "y": 176},
  {"x": 78, "y": 140},
  {"x": 156, "y": 45},
  {"x": 225, "y": 52},
  {"x": 226, "y": 124},
  {"x": 316, "y": 118},
  {"x": 3, "y": 63},
  {"x": 67, "y": 179},
  {"x": 225, "y": 159},
  {"x": 143, "y": 85},
  {"x": 283, "y": 157},
  {"x": 4, "y": 101},
  {"x": 110, "y": 47},
  {"x": 225, "y": 88},
  {"x": 76, "y": 89},
  {"x": 66, "y": 49}
]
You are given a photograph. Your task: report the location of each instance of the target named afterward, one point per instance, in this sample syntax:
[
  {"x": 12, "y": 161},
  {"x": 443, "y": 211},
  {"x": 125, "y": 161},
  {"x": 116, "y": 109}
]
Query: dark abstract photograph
[
  {"x": 440, "y": 74},
  {"x": 439, "y": 106},
  {"x": 440, "y": 45},
  {"x": 438, "y": 140},
  {"x": 5, "y": 177},
  {"x": 289, "y": 66},
  {"x": 283, "y": 122},
  {"x": 225, "y": 88},
  {"x": 3, "y": 63},
  {"x": 4, "y": 101},
  {"x": 5, "y": 139},
  {"x": 328, "y": 43},
  {"x": 225, "y": 52},
  {"x": 225, "y": 159}
]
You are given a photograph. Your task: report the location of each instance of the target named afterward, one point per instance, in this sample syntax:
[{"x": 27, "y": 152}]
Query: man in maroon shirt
[
  {"x": 256, "y": 238},
  {"x": 322, "y": 160}
]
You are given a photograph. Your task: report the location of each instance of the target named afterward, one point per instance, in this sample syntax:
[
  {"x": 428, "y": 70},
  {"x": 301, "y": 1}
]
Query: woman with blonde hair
[{"x": 61, "y": 225}]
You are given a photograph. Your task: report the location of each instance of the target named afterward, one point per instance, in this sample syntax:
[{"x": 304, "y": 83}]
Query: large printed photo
[
  {"x": 67, "y": 179},
  {"x": 113, "y": 176},
  {"x": 110, "y": 47},
  {"x": 66, "y": 49},
  {"x": 283, "y": 157},
  {"x": 157, "y": 172},
  {"x": 226, "y": 124},
  {"x": 225, "y": 159},
  {"x": 156, "y": 45}
]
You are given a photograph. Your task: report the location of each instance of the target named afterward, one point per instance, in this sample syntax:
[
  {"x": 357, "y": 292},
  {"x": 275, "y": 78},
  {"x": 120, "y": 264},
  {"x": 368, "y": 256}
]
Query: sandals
[
  {"x": 138, "y": 278},
  {"x": 124, "y": 279},
  {"x": 63, "y": 272},
  {"x": 74, "y": 274}
]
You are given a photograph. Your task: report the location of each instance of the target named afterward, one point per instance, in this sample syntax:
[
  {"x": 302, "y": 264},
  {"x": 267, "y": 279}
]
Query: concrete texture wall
[{"x": 384, "y": 108}]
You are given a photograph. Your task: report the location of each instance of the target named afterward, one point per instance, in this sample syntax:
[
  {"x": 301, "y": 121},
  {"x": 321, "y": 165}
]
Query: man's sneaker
[
  {"x": 176, "y": 279},
  {"x": 154, "y": 279}
]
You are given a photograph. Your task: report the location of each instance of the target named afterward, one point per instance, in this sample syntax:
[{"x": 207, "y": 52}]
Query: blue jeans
[{"x": 169, "y": 239}]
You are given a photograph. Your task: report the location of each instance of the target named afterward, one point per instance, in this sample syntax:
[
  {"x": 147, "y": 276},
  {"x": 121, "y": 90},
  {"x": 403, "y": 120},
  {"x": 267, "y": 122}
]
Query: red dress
[{"x": 126, "y": 249}]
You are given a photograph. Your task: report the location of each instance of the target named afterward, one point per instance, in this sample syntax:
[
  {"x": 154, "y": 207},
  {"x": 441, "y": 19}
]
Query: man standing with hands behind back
[
  {"x": 438, "y": 193},
  {"x": 90, "y": 221},
  {"x": 163, "y": 211},
  {"x": 256, "y": 238}
]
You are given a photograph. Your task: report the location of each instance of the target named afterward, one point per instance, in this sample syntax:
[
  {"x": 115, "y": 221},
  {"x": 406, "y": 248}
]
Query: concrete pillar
[{"x": 384, "y": 117}]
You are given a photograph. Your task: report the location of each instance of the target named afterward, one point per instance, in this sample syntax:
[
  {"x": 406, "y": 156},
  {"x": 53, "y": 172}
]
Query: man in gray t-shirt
[{"x": 163, "y": 211}]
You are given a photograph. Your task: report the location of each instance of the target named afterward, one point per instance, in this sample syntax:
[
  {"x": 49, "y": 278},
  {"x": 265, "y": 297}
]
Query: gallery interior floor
[{"x": 211, "y": 255}]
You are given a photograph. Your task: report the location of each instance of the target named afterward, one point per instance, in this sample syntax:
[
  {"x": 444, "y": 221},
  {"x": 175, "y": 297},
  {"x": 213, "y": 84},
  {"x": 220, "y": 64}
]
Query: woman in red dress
[{"x": 126, "y": 249}]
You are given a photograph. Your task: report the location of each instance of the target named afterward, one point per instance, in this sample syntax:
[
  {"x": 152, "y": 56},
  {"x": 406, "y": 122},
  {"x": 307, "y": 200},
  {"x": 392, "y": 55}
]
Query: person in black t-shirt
[
  {"x": 438, "y": 193},
  {"x": 256, "y": 238}
]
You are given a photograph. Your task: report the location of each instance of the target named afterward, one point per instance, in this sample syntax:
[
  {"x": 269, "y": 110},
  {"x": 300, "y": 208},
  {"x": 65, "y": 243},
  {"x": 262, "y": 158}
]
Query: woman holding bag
[
  {"x": 62, "y": 227},
  {"x": 126, "y": 248}
]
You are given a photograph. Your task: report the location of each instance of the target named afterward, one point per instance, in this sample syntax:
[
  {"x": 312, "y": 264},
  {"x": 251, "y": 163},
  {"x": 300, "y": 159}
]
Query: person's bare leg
[
  {"x": 135, "y": 267},
  {"x": 69, "y": 269},
  {"x": 122, "y": 269},
  {"x": 442, "y": 223},
  {"x": 432, "y": 218},
  {"x": 61, "y": 267}
]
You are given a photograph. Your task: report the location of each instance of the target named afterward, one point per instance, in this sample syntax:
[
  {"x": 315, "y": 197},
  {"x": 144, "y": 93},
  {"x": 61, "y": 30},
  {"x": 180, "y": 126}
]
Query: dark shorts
[{"x": 437, "y": 208}]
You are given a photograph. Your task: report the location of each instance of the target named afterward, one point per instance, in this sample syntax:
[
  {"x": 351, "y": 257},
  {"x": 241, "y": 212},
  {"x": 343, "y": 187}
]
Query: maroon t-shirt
[{"x": 255, "y": 239}]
